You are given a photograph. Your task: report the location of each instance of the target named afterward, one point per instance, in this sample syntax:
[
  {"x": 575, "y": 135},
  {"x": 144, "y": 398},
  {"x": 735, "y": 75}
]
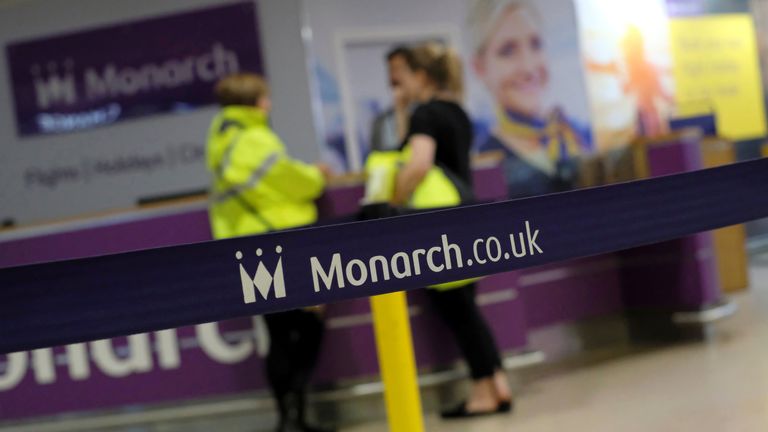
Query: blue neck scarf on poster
[{"x": 93, "y": 298}]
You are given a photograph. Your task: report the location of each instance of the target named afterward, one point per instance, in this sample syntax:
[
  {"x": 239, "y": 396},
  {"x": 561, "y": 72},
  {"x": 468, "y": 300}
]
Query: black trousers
[
  {"x": 459, "y": 311},
  {"x": 295, "y": 340}
]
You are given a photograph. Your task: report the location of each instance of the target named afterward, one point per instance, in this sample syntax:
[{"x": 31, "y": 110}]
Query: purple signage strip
[
  {"x": 682, "y": 8},
  {"x": 101, "y": 76},
  {"x": 689, "y": 8},
  {"x": 95, "y": 298}
]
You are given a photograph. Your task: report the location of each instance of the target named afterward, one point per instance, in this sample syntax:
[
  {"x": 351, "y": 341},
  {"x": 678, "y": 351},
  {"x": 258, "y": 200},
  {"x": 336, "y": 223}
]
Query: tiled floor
[{"x": 718, "y": 386}]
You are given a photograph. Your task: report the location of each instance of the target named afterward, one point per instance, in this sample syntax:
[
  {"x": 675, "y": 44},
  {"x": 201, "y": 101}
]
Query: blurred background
[{"x": 104, "y": 112}]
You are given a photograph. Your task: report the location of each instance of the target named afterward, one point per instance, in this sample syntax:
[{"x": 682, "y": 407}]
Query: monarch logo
[
  {"x": 263, "y": 280},
  {"x": 56, "y": 84}
]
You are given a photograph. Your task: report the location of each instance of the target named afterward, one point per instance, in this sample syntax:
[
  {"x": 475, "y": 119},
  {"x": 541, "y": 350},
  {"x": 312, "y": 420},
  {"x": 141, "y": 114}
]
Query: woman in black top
[{"x": 440, "y": 133}]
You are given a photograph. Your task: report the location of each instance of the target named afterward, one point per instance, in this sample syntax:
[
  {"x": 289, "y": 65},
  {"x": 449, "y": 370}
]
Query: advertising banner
[
  {"x": 98, "y": 76},
  {"x": 717, "y": 70},
  {"x": 628, "y": 62},
  {"x": 530, "y": 102},
  {"x": 523, "y": 79},
  {"x": 681, "y": 8}
]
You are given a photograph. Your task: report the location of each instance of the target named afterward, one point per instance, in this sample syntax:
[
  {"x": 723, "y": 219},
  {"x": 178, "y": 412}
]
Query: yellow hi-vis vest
[
  {"x": 436, "y": 190},
  {"x": 256, "y": 187}
]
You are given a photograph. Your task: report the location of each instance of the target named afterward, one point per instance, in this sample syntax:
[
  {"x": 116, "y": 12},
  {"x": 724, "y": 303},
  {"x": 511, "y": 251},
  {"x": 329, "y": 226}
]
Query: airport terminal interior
[{"x": 383, "y": 215}]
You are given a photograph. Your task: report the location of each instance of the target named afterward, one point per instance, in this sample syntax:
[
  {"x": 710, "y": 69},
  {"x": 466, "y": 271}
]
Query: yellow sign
[{"x": 716, "y": 70}]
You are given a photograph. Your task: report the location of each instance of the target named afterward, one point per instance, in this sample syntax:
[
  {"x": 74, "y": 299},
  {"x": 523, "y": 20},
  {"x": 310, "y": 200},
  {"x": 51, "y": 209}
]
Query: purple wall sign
[
  {"x": 108, "y": 74},
  {"x": 681, "y": 8},
  {"x": 687, "y": 8}
]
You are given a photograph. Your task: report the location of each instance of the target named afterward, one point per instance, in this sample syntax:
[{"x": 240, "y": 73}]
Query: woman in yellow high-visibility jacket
[
  {"x": 440, "y": 134},
  {"x": 256, "y": 188}
]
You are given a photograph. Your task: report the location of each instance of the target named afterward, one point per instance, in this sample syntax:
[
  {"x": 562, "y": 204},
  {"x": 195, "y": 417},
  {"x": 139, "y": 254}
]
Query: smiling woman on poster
[{"x": 537, "y": 139}]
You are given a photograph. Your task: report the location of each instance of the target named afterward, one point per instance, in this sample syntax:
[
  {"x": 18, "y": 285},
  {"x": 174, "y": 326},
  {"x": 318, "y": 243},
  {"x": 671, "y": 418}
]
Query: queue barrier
[{"x": 100, "y": 297}]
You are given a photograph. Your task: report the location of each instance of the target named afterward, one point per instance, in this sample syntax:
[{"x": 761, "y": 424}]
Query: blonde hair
[
  {"x": 240, "y": 89},
  {"x": 442, "y": 66},
  {"x": 484, "y": 15}
]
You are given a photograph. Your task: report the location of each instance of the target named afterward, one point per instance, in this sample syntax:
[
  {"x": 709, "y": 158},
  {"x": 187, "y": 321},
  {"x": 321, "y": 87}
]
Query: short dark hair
[
  {"x": 402, "y": 51},
  {"x": 240, "y": 89}
]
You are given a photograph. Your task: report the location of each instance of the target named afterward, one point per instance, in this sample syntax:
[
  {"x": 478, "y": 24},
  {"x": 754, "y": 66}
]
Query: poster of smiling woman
[
  {"x": 523, "y": 77},
  {"x": 529, "y": 102}
]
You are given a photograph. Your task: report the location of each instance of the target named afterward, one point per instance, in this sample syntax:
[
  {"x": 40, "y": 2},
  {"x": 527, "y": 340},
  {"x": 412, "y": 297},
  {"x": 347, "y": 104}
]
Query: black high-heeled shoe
[
  {"x": 505, "y": 406},
  {"x": 300, "y": 427},
  {"x": 460, "y": 411}
]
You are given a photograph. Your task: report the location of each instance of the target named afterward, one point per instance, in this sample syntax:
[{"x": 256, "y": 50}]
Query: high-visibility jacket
[
  {"x": 439, "y": 188},
  {"x": 256, "y": 187}
]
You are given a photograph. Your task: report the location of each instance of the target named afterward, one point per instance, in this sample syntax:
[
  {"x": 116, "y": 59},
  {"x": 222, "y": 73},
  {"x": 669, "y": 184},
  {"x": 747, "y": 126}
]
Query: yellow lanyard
[{"x": 557, "y": 136}]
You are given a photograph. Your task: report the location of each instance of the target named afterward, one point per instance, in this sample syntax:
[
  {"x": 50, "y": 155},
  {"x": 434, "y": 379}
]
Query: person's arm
[
  {"x": 259, "y": 160},
  {"x": 295, "y": 179},
  {"x": 422, "y": 159}
]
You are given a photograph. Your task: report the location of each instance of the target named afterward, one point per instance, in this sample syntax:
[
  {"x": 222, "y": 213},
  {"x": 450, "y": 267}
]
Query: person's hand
[
  {"x": 400, "y": 98},
  {"x": 325, "y": 170}
]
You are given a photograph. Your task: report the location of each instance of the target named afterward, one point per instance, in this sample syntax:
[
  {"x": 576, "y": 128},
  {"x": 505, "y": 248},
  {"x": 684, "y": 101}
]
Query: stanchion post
[{"x": 394, "y": 345}]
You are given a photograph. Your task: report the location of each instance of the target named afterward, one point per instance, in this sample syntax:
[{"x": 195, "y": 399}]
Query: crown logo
[
  {"x": 263, "y": 280},
  {"x": 54, "y": 84}
]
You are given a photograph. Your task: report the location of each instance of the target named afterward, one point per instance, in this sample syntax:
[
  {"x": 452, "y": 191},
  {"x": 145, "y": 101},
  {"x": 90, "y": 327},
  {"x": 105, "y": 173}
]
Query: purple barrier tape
[{"x": 92, "y": 298}]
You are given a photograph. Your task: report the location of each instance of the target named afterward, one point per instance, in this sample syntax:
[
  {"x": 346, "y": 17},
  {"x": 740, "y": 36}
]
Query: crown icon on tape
[{"x": 263, "y": 280}]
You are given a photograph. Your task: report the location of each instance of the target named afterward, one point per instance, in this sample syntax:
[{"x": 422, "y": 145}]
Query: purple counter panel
[
  {"x": 113, "y": 236},
  {"x": 189, "y": 362},
  {"x": 490, "y": 184},
  {"x": 679, "y": 274},
  {"x": 571, "y": 291}
]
